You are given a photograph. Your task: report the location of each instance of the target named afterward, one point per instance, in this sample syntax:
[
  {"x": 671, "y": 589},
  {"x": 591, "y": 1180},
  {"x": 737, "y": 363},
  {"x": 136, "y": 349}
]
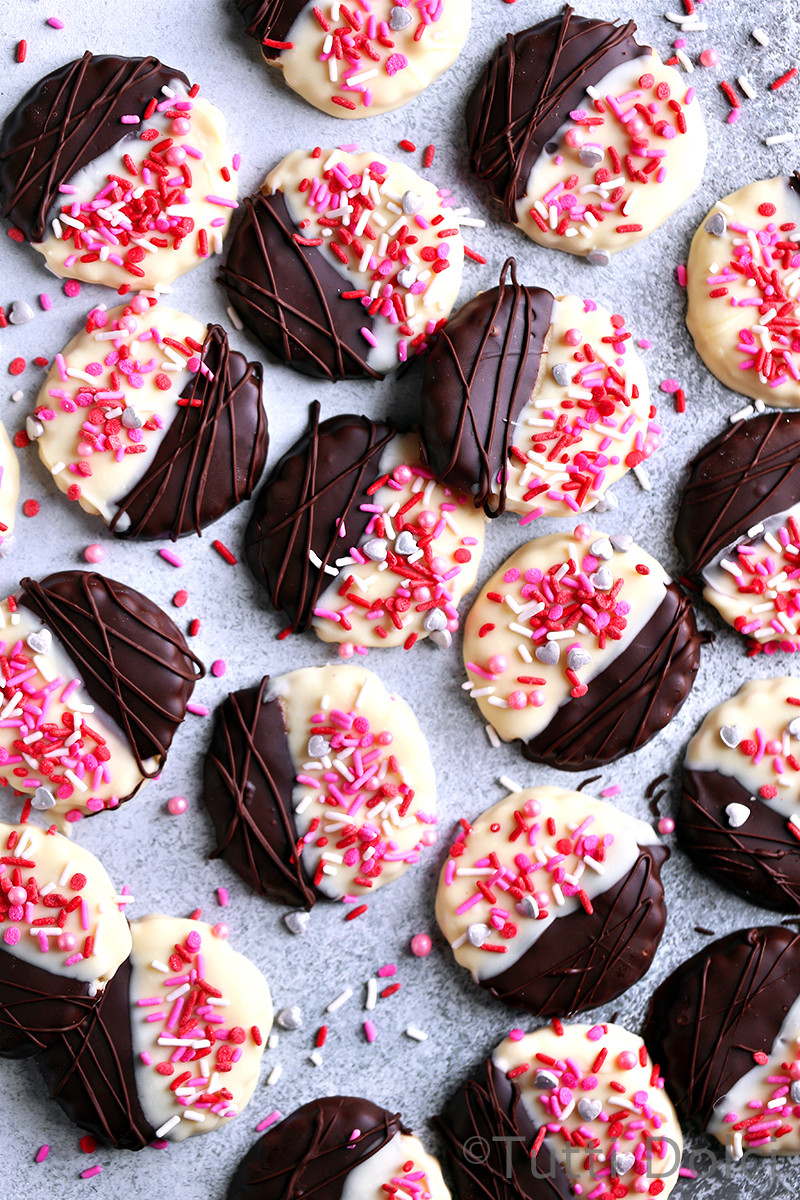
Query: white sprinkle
[
  {"x": 272, "y": 1041},
  {"x": 742, "y": 414},
  {"x": 643, "y": 478},
  {"x": 747, "y": 87},
  {"x": 372, "y": 994},
  {"x": 418, "y": 1035},
  {"x": 494, "y": 740},
  {"x": 761, "y": 36},
  {"x": 165, "y": 1128},
  {"x": 189, "y": 1114},
  {"x": 274, "y": 1075},
  {"x": 236, "y": 320},
  {"x": 316, "y": 1058},
  {"x": 159, "y": 966},
  {"x": 510, "y": 784},
  {"x": 779, "y": 139},
  {"x": 685, "y": 61},
  {"x": 336, "y": 1004}
]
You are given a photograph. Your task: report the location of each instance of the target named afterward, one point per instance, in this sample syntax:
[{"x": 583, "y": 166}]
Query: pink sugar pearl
[
  {"x": 666, "y": 825},
  {"x": 709, "y": 57},
  {"x": 177, "y": 805},
  {"x": 220, "y": 930},
  {"x": 66, "y": 941},
  {"x": 421, "y": 945},
  {"x": 573, "y": 337},
  {"x": 17, "y": 895},
  {"x": 94, "y": 553},
  {"x": 181, "y": 126},
  {"x": 627, "y": 1060}
]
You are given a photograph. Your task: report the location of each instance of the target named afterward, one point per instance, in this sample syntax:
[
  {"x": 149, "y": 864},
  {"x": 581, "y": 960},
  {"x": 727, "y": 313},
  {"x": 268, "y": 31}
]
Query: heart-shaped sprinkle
[
  {"x": 40, "y": 641},
  {"x": 405, "y": 543},
  {"x": 399, "y": 18},
  {"x": 435, "y": 620},
  {"x": 442, "y": 638},
  {"x": 130, "y": 418},
  {"x": 621, "y": 542},
  {"x": 318, "y": 746},
  {"x": 794, "y": 1092},
  {"x": 478, "y": 934},
  {"x": 43, "y": 799},
  {"x": 375, "y": 549},
  {"x": 577, "y": 658},
  {"x": 598, "y": 258},
  {"x": 793, "y": 728},
  {"x": 297, "y": 922},
  {"x": 590, "y": 155},
  {"x": 33, "y": 428},
  {"x": 527, "y": 907},
  {"x": 561, "y": 374},
  {"x": 290, "y": 1018},
  {"x": 411, "y": 203},
  {"x": 716, "y": 224},
  {"x": 621, "y": 1163},
  {"x": 603, "y": 579},
  {"x": 589, "y": 1109},
  {"x": 737, "y": 814},
  {"x": 545, "y": 1080},
  {"x": 20, "y": 313},
  {"x": 602, "y": 548},
  {"x": 549, "y": 653},
  {"x": 607, "y": 503},
  {"x": 731, "y": 735}
]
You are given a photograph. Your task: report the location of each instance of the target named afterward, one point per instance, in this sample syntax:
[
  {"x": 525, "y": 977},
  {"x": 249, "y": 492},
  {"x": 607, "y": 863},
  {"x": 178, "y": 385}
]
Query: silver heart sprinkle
[
  {"x": 297, "y": 922},
  {"x": 589, "y": 1109},
  {"x": 731, "y": 735},
  {"x": 737, "y": 814},
  {"x": 561, "y": 374},
  {"x": 590, "y": 156},
  {"x": 578, "y": 658},
  {"x": 290, "y": 1018},
  {"x": 130, "y": 418},
  {"x": 602, "y": 548},
  {"x": 527, "y": 907},
  {"x": 43, "y": 799},
  {"x": 411, "y": 203},
  {"x": 40, "y": 641},
  {"x": 21, "y": 312},
  {"x": 405, "y": 543},
  {"x": 442, "y": 638},
  {"x": 549, "y": 653},
  {"x": 794, "y": 1092},
  {"x": 621, "y": 542},
  {"x": 375, "y": 549},
  {"x": 33, "y": 428},
  {"x": 545, "y": 1080},
  {"x": 621, "y": 1163},
  {"x": 602, "y": 579},
  {"x": 598, "y": 258},
  {"x": 478, "y": 933},
  {"x": 607, "y": 503},
  {"x": 793, "y": 728},
  {"x": 716, "y": 224},
  {"x": 399, "y": 18},
  {"x": 318, "y": 746},
  {"x": 435, "y": 621}
]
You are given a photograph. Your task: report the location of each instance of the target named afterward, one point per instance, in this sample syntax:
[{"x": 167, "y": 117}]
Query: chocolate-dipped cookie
[
  {"x": 553, "y": 900},
  {"x": 580, "y": 648},
  {"x": 738, "y": 528},
  {"x": 334, "y": 1148},
  {"x": 725, "y": 1027},
  {"x": 741, "y": 284},
  {"x": 9, "y": 490},
  {"x": 344, "y": 264},
  {"x": 117, "y": 171},
  {"x": 64, "y": 934},
  {"x": 119, "y": 1075},
  {"x": 391, "y": 56},
  {"x": 351, "y": 537},
  {"x": 584, "y": 136},
  {"x": 568, "y": 1110},
  {"x": 319, "y": 782},
  {"x": 535, "y": 403},
  {"x": 107, "y": 679},
  {"x": 149, "y": 419}
]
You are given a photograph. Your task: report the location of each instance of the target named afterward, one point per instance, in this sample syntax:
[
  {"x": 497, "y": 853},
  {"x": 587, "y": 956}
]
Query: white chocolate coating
[
  {"x": 640, "y": 207},
  {"x": 62, "y": 869},
  {"x": 592, "y": 868},
  {"x": 731, "y": 328},
  {"x": 435, "y": 292},
  {"x": 559, "y": 1107},
  {"x": 65, "y": 405},
  {"x": 442, "y": 580},
  {"x": 401, "y": 70},
  {"x": 514, "y": 639},
  {"x": 371, "y": 1178},
  {"x": 336, "y": 793},
  {"x": 244, "y": 1001},
  {"x": 9, "y": 487}
]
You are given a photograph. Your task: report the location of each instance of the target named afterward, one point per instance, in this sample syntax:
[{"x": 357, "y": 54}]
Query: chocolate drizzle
[
  {"x": 36, "y": 1005},
  {"x": 289, "y": 295},
  {"x": 248, "y": 783},
  {"x": 316, "y": 488},
  {"x": 309, "y": 1154},
  {"x": 213, "y": 453},
  {"x": 710, "y": 1017},
  {"x": 66, "y": 121},
  {"x": 478, "y": 377},
  {"x": 271, "y": 19},
  {"x": 132, "y": 659},
  {"x": 528, "y": 89}
]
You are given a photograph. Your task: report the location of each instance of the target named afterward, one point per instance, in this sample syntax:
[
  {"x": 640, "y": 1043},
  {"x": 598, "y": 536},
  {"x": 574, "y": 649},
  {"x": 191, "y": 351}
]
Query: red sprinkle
[
  {"x": 30, "y": 508},
  {"x": 782, "y": 79},
  {"x": 22, "y": 50},
  {"x": 429, "y": 153},
  {"x": 180, "y": 598},
  {"x": 224, "y": 552},
  {"x": 16, "y": 366},
  {"x": 194, "y": 628},
  {"x": 356, "y": 912},
  {"x": 407, "y": 145},
  {"x": 322, "y": 1033}
]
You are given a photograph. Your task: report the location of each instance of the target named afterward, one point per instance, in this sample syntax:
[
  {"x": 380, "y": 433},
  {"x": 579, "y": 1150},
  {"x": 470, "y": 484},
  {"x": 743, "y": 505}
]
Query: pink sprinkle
[
  {"x": 270, "y": 1120},
  {"x": 387, "y": 971},
  {"x": 370, "y": 1032},
  {"x": 45, "y": 301},
  {"x": 669, "y": 385},
  {"x": 11, "y": 936},
  {"x": 171, "y": 558},
  {"x": 219, "y": 667},
  {"x": 42, "y": 1153},
  {"x": 91, "y": 1171},
  {"x": 516, "y": 1035},
  {"x": 72, "y": 288},
  {"x": 56, "y": 23},
  {"x": 681, "y": 273},
  {"x": 614, "y": 790},
  {"x": 595, "y": 1033},
  {"x": 222, "y": 897},
  {"x": 222, "y": 202},
  {"x": 197, "y": 709},
  {"x": 129, "y": 120}
]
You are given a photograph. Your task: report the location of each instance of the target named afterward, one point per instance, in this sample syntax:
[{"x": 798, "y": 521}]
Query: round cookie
[
  {"x": 64, "y": 934},
  {"x": 105, "y": 676},
  {"x": 535, "y": 403},
  {"x": 351, "y": 536},
  {"x": 338, "y": 1148},
  {"x": 9, "y": 490},
  {"x": 584, "y": 136},
  {"x": 738, "y": 528},
  {"x": 725, "y": 1028},
  {"x": 742, "y": 287},
  {"x": 344, "y": 264},
  {"x": 739, "y": 815},
  {"x": 118, "y": 172},
  {"x": 354, "y": 63},
  {"x": 174, "y": 1045},
  {"x": 580, "y": 648},
  {"x": 319, "y": 782},
  {"x": 567, "y": 1110},
  {"x": 553, "y": 901},
  {"x": 150, "y": 420}
]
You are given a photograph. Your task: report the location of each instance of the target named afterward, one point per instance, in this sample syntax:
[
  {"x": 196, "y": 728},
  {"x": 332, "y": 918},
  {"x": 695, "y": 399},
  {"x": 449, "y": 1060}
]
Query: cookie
[
  {"x": 354, "y": 63},
  {"x": 319, "y": 782},
  {"x": 344, "y": 264},
  {"x": 150, "y": 420},
  {"x": 725, "y": 1028},
  {"x": 351, "y": 536},
  {"x": 118, "y": 172},
  {"x": 580, "y": 648},
  {"x": 9, "y": 490},
  {"x": 553, "y": 901},
  {"x": 587, "y": 140},
  {"x": 741, "y": 285},
  {"x": 567, "y": 1110},
  {"x": 535, "y": 403},
  {"x": 105, "y": 676},
  {"x": 337, "y": 1147},
  {"x": 64, "y": 935},
  {"x": 183, "y": 997}
]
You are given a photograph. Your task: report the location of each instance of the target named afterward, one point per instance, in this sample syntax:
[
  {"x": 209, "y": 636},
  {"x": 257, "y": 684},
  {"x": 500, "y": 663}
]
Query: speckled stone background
[{"x": 164, "y": 858}]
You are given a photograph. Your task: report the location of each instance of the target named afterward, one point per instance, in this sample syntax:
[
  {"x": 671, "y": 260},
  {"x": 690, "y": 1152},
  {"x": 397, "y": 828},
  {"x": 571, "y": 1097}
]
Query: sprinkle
[
  {"x": 43, "y": 1151},
  {"x": 170, "y": 557},
  {"x": 274, "y": 1075},
  {"x": 224, "y": 552},
  {"x": 90, "y": 1172},
  {"x": 782, "y": 79},
  {"x": 418, "y": 1035},
  {"x": 429, "y": 153},
  {"x": 336, "y": 1004},
  {"x": 370, "y": 1033},
  {"x": 22, "y": 50},
  {"x": 57, "y": 23},
  {"x": 270, "y": 1120},
  {"x": 760, "y": 36}
]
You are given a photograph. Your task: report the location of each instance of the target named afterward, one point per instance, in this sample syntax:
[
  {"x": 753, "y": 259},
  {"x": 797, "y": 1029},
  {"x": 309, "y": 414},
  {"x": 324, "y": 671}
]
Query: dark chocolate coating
[
  {"x": 36, "y": 1006},
  {"x": 760, "y": 859},
  {"x": 489, "y": 1135},
  {"x": 289, "y": 295},
  {"x": 320, "y": 482},
  {"x": 308, "y": 1155},
  {"x": 213, "y": 453},
  {"x": 248, "y": 781},
  {"x": 270, "y": 19},
  {"x": 530, "y": 85},
  {"x": 133, "y": 660},
  {"x": 90, "y": 1071},
  {"x": 637, "y": 694},
  {"x": 479, "y": 376},
  {"x": 712, "y": 1014},
  {"x": 751, "y": 471},
  {"x": 66, "y": 121},
  {"x": 583, "y": 961}
]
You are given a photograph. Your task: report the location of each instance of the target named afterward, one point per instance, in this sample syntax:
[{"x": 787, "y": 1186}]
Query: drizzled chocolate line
[
  {"x": 212, "y": 454},
  {"x": 249, "y": 779},
  {"x": 66, "y": 121},
  {"x": 133, "y": 660},
  {"x": 37, "y": 1005},
  {"x": 529, "y": 87},
  {"x": 315, "y": 489},
  {"x": 270, "y": 19},
  {"x": 479, "y": 376}
]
